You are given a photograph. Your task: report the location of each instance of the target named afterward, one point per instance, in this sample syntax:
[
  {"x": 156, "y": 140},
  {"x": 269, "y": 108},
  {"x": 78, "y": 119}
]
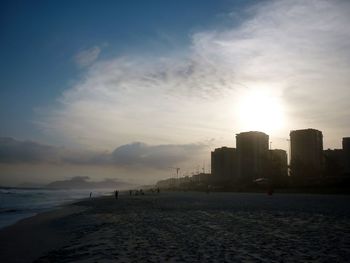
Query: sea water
[{"x": 19, "y": 203}]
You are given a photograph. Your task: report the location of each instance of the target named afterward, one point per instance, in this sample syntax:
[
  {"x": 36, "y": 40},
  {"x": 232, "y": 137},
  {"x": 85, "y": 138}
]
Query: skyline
[
  {"x": 138, "y": 83},
  {"x": 136, "y": 155}
]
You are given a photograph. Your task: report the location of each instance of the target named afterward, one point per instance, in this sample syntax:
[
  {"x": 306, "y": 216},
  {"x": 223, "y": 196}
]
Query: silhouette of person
[
  {"x": 116, "y": 193},
  {"x": 158, "y": 190},
  {"x": 90, "y": 194},
  {"x": 130, "y": 192}
]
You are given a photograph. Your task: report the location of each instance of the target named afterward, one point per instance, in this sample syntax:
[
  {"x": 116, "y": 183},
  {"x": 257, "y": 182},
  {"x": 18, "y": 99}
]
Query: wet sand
[{"x": 186, "y": 227}]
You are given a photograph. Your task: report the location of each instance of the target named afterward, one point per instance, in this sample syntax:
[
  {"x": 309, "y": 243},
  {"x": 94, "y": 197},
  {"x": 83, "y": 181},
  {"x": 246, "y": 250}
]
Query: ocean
[{"x": 19, "y": 203}]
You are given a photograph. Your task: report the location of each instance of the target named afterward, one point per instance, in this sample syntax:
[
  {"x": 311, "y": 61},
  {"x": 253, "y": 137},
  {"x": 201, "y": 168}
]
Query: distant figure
[
  {"x": 116, "y": 194},
  {"x": 90, "y": 194},
  {"x": 130, "y": 192},
  {"x": 141, "y": 192},
  {"x": 158, "y": 190}
]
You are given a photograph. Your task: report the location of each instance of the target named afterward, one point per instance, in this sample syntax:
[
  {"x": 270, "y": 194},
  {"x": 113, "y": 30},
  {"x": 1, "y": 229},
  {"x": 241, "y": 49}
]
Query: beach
[
  {"x": 20, "y": 203},
  {"x": 186, "y": 227}
]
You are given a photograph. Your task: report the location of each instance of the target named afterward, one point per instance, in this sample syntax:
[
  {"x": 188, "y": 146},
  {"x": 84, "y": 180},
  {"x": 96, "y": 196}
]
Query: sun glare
[{"x": 260, "y": 111}]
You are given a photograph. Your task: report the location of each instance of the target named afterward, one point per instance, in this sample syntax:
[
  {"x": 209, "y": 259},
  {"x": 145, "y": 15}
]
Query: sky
[{"x": 131, "y": 89}]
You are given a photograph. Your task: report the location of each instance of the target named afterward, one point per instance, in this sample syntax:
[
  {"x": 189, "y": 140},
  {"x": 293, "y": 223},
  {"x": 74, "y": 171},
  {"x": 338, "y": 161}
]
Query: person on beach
[
  {"x": 116, "y": 194},
  {"x": 130, "y": 192},
  {"x": 158, "y": 190},
  {"x": 90, "y": 194}
]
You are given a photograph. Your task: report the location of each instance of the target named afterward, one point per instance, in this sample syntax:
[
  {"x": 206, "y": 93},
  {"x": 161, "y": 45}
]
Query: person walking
[{"x": 116, "y": 193}]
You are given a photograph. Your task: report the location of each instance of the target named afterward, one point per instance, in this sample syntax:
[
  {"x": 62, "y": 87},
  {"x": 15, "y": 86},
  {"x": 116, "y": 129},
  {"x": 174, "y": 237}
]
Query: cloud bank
[
  {"x": 297, "y": 51},
  {"x": 134, "y": 155},
  {"x": 13, "y": 151}
]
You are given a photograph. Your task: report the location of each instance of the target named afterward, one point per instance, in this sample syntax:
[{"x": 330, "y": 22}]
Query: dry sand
[{"x": 187, "y": 227}]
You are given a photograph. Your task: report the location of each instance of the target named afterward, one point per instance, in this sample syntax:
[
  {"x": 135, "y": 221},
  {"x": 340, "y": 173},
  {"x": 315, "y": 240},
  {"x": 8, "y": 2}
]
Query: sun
[{"x": 260, "y": 111}]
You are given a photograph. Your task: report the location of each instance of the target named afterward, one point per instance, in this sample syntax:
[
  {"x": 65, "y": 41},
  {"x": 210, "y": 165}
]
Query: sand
[
  {"x": 32, "y": 237},
  {"x": 187, "y": 227}
]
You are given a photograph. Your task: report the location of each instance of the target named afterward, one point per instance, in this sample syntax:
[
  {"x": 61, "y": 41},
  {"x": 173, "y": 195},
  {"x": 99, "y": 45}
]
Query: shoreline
[
  {"x": 186, "y": 227},
  {"x": 31, "y": 237},
  {"x": 125, "y": 192},
  {"x": 53, "y": 209},
  {"x": 20, "y": 203}
]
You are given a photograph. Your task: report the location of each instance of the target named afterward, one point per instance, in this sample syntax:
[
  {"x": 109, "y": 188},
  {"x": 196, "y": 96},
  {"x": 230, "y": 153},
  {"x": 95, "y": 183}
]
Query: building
[
  {"x": 346, "y": 150},
  {"x": 333, "y": 162},
  {"x": 167, "y": 183},
  {"x": 223, "y": 164},
  {"x": 252, "y": 153},
  {"x": 277, "y": 168},
  {"x": 306, "y": 154},
  {"x": 201, "y": 177}
]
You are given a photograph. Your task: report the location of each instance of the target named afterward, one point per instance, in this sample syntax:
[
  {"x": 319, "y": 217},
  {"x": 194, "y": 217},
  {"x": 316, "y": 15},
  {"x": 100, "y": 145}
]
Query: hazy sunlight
[{"x": 261, "y": 111}]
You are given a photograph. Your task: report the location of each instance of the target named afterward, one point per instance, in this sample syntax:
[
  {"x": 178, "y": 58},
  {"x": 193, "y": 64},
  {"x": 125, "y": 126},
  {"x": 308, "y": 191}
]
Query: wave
[
  {"x": 4, "y": 191},
  {"x": 18, "y": 203}
]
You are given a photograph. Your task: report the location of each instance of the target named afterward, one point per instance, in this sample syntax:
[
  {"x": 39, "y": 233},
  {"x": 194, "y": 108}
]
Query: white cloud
[
  {"x": 298, "y": 51},
  {"x": 86, "y": 57}
]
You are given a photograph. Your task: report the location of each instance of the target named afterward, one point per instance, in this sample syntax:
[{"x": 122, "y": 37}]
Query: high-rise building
[
  {"x": 333, "y": 162},
  {"x": 346, "y": 151},
  {"x": 252, "y": 152},
  {"x": 223, "y": 164},
  {"x": 306, "y": 153},
  {"x": 277, "y": 168}
]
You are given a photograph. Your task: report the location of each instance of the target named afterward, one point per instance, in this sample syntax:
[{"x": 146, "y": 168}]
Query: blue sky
[
  {"x": 40, "y": 39},
  {"x": 110, "y": 88}
]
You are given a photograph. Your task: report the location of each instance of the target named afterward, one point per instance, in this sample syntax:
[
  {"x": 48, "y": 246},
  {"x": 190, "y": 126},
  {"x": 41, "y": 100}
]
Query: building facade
[
  {"x": 277, "y": 170},
  {"x": 306, "y": 153},
  {"x": 334, "y": 162},
  {"x": 224, "y": 164},
  {"x": 346, "y": 151},
  {"x": 252, "y": 153}
]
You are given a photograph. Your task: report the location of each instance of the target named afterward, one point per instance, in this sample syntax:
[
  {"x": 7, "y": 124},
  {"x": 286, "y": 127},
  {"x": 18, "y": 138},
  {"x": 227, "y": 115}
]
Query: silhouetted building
[
  {"x": 277, "y": 167},
  {"x": 334, "y": 162},
  {"x": 224, "y": 164},
  {"x": 201, "y": 177},
  {"x": 306, "y": 154},
  {"x": 167, "y": 183},
  {"x": 252, "y": 152},
  {"x": 195, "y": 181},
  {"x": 346, "y": 149}
]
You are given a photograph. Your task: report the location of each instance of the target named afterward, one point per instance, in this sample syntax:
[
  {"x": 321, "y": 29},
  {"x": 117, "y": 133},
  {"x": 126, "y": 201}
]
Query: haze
[{"x": 127, "y": 90}]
